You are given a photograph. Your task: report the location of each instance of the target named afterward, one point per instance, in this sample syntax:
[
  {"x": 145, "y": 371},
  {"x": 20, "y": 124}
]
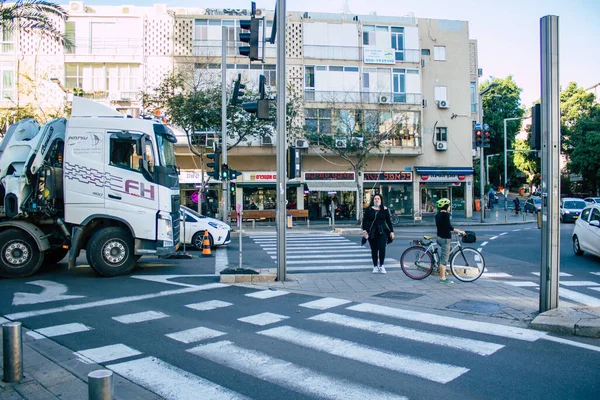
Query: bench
[{"x": 254, "y": 215}]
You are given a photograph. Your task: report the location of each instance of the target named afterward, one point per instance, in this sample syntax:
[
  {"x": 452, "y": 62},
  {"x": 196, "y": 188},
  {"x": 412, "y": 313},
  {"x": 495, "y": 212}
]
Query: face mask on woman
[{"x": 377, "y": 203}]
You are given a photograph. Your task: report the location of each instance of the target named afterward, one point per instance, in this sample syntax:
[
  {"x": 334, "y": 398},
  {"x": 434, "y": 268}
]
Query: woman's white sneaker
[
  {"x": 382, "y": 270},
  {"x": 375, "y": 270}
]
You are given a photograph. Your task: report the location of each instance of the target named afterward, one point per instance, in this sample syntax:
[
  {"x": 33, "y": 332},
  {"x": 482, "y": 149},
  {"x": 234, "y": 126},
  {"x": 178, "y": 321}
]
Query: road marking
[
  {"x": 368, "y": 266},
  {"x": 194, "y": 335},
  {"x": 470, "y": 345},
  {"x": 333, "y": 251},
  {"x": 333, "y": 255},
  {"x": 579, "y": 297},
  {"x": 267, "y": 294},
  {"x": 559, "y": 274},
  {"x": 494, "y": 238},
  {"x": 494, "y": 275},
  {"x": 60, "y": 330},
  {"x": 167, "y": 278},
  {"x": 480, "y": 249},
  {"x": 364, "y": 260},
  {"x": 118, "y": 300},
  {"x": 139, "y": 317},
  {"x": 3, "y": 320},
  {"x": 522, "y": 283},
  {"x": 595, "y": 273},
  {"x": 503, "y": 233},
  {"x": 109, "y": 353},
  {"x": 209, "y": 305},
  {"x": 595, "y": 288},
  {"x": 337, "y": 248},
  {"x": 52, "y": 291},
  {"x": 171, "y": 382},
  {"x": 484, "y": 243},
  {"x": 308, "y": 242},
  {"x": 430, "y": 370},
  {"x": 450, "y": 322},
  {"x": 325, "y": 303},
  {"x": 35, "y": 335},
  {"x": 579, "y": 283},
  {"x": 286, "y": 374},
  {"x": 516, "y": 230},
  {"x": 221, "y": 260},
  {"x": 263, "y": 319},
  {"x": 572, "y": 343},
  {"x": 301, "y": 239}
]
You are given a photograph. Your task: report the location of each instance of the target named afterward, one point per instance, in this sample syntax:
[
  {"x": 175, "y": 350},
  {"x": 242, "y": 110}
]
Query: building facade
[{"x": 413, "y": 80}]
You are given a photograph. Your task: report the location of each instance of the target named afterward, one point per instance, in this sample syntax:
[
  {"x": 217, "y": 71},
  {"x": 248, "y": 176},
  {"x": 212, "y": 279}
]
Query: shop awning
[
  {"x": 444, "y": 170},
  {"x": 264, "y": 184},
  {"x": 331, "y": 186}
]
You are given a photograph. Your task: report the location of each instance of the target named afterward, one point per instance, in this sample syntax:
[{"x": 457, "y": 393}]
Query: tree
[
  {"x": 34, "y": 16},
  {"x": 502, "y": 101}
]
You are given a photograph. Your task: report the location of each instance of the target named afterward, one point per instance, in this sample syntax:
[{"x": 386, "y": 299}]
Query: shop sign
[
  {"x": 388, "y": 176},
  {"x": 259, "y": 177},
  {"x": 379, "y": 56},
  {"x": 329, "y": 176},
  {"x": 443, "y": 178},
  {"x": 191, "y": 176}
]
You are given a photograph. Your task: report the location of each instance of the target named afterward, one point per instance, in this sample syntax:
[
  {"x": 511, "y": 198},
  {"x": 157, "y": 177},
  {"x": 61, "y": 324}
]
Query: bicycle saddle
[{"x": 427, "y": 237}]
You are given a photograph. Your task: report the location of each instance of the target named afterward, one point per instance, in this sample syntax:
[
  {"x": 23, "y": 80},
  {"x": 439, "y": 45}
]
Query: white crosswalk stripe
[
  {"x": 109, "y": 353},
  {"x": 325, "y": 303},
  {"x": 267, "y": 294},
  {"x": 60, "y": 330},
  {"x": 209, "y": 305},
  {"x": 430, "y": 370},
  {"x": 140, "y": 317},
  {"x": 579, "y": 283},
  {"x": 195, "y": 335},
  {"x": 287, "y": 374},
  {"x": 263, "y": 319}
]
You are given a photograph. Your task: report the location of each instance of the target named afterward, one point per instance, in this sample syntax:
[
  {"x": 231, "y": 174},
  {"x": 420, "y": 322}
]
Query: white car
[
  {"x": 592, "y": 200},
  {"x": 196, "y": 224},
  {"x": 586, "y": 234}
]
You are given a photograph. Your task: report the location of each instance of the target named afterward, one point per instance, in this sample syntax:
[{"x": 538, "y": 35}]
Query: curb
[{"x": 577, "y": 321}]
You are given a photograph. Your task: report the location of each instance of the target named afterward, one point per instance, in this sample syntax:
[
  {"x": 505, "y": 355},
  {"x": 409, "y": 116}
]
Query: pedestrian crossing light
[
  {"x": 233, "y": 174},
  {"x": 215, "y": 157},
  {"x": 224, "y": 172},
  {"x": 232, "y": 187},
  {"x": 487, "y": 138},
  {"x": 238, "y": 91},
  {"x": 478, "y": 136}
]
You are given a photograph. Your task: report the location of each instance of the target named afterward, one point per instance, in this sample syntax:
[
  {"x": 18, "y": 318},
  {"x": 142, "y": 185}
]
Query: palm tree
[{"x": 34, "y": 16}]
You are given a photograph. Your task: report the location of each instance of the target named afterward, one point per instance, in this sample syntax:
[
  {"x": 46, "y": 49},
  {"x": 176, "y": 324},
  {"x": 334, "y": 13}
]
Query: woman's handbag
[{"x": 364, "y": 239}]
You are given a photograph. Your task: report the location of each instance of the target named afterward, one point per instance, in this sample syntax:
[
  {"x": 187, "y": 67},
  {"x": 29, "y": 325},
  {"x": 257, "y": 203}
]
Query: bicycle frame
[{"x": 433, "y": 246}]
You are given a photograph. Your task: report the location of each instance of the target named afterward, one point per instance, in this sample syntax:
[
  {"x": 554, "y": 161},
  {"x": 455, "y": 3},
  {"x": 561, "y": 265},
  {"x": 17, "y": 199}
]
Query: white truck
[{"x": 97, "y": 181}]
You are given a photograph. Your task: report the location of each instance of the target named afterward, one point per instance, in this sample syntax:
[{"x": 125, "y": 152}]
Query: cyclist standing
[{"x": 444, "y": 235}]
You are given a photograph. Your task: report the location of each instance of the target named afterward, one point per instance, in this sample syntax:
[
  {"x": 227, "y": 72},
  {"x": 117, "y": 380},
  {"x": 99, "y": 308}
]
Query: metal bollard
[
  {"x": 12, "y": 346},
  {"x": 253, "y": 224},
  {"x": 100, "y": 385}
]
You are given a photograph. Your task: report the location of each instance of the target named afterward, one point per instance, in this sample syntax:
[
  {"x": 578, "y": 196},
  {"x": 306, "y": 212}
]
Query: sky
[{"x": 507, "y": 31}]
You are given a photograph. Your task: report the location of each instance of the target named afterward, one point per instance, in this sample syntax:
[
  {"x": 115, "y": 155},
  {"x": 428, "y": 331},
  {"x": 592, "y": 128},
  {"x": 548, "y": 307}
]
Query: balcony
[
  {"x": 366, "y": 54},
  {"x": 212, "y": 48},
  {"x": 96, "y": 50},
  {"x": 332, "y": 52},
  {"x": 324, "y": 96},
  {"x": 410, "y": 145}
]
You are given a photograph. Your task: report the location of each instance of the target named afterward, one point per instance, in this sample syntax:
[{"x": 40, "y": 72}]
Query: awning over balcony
[
  {"x": 444, "y": 170},
  {"x": 331, "y": 186}
]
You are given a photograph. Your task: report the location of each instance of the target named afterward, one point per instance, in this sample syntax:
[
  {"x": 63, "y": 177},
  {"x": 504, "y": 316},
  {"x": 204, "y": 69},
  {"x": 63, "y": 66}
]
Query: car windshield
[
  {"x": 574, "y": 205},
  {"x": 192, "y": 212},
  {"x": 164, "y": 141}
]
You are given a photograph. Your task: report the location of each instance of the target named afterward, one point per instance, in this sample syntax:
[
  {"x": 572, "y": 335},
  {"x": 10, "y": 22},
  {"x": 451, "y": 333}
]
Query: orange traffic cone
[{"x": 206, "y": 252}]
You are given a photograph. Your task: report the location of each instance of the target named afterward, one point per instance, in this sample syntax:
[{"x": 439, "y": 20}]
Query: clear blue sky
[{"x": 507, "y": 30}]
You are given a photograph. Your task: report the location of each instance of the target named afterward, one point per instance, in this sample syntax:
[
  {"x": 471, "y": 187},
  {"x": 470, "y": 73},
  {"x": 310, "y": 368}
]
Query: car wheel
[
  {"x": 198, "y": 240},
  {"x": 576, "y": 248}
]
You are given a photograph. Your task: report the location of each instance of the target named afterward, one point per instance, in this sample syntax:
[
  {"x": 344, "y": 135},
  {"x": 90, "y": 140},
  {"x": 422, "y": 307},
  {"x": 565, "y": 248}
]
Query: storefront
[
  {"x": 190, "y": 181},
  {"x": 323, "y": 190},
  {"x": 455, "y": 184},
  {"x": 256, "y": 191},
  {"x": 395, "y": 187}
]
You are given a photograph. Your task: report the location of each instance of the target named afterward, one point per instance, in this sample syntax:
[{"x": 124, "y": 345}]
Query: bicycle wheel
[
  {"x": 416, "y": 262},
  {"x": 395, "y": 219},
  {"x": 467, "y": 265}
]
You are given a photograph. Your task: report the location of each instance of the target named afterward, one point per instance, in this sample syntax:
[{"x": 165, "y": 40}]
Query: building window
[
  {"x": 441, "y": 134},
  {"x": 439, "y": 53},
  {"x": 399, "y": 85},
  {"x": 8, "y": 41},
  {"x": 440, "y": 93},
  {"x": 318, "y": 121},
  {"x": 102, "y": 77},
  {"x": 398, "y": 42},
  {"x": 7, "y": 85},
  {"x": 425, "y": 52},
  {"x": 309, "y": 77},
  {"x": 473, "y": 97}
]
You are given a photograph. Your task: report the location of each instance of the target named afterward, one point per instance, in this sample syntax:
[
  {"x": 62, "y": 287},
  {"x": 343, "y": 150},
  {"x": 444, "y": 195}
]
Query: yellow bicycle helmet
[{"x": 442, "y": 202}]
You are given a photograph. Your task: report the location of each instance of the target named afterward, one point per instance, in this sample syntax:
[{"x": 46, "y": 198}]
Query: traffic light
[
  {"x": 535, "y": 139},
  {"x": 487, "y": 139},
  {"x": 250, "y": 36},
  {"x": 215, "y": 157},
  {"x": 478, "y": 136},
  {"x": 233, "y": 174},
  {"x": 238, "y": 90},
  {"x": 232, "y": 187},
  {"x": 224, "y": 172},
  {"x": 260, "y": 107},
  {"x": 294, "y": 163}
]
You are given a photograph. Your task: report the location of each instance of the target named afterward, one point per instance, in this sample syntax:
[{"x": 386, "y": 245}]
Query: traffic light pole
[
  {"x": 281, "y": 141},
  {"x": 226, "y": 218}
]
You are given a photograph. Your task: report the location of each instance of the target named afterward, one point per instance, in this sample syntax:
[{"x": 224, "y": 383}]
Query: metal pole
[
  {"x": 506, "y": 159},
  {"x": 12, "y": 347},
  {"x": 226, "y": 216},
  {"x": 240, "y": 226},
  {"x": 281, "y": 141},
  {"x": 481, "y": 155},
  {"x": 487, "y": 168},
  {"x": 550, "y": 113},
  {"x": 100, "y": 385}
]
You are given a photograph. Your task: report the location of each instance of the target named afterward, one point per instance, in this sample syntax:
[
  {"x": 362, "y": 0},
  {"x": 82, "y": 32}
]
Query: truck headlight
[{"x": 165, "y": 226}]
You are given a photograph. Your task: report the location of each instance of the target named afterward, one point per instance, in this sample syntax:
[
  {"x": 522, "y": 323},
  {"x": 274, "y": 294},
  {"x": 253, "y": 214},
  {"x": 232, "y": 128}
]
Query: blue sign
[{"x": 477, "y": 127}]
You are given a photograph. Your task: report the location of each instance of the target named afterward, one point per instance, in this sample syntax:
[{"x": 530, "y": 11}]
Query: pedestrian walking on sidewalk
[
  {"x": 377, "y": 228},
  {"x": 444, "y": 235}
]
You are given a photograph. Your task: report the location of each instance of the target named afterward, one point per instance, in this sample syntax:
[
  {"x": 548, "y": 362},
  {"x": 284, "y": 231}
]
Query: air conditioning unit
[
  {"x": 259, "y": 12},
  {"x": 383, "y": 99},
  {"x": 301, "y": 143},
  {"x": 341, "y": 143},
  {"x": 126, "y": 9},
  {"x": 441, "y": 146},
  {"x": 76, "y": 6},
  {"x": 267, "y": 141},
  {"x": 357, "y": 141},
  {"x": 442, "y": 104},
  {"x": 422, "y": 63}
]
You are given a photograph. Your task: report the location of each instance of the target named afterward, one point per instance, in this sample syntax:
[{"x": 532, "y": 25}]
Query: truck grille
[{"x": 175, "y": 200}]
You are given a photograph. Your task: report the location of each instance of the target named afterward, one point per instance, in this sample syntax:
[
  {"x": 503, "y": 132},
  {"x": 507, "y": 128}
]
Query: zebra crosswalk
[
  {"x": 217, "y": 349},
  {"x": 320, "y": 252}
]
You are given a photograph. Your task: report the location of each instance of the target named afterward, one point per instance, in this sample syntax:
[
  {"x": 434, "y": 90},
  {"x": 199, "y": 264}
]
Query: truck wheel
[
  {"x": 19, "y": 254},
  {"x": 110, "y": 252},
  {"x": 52, "y": 257}
]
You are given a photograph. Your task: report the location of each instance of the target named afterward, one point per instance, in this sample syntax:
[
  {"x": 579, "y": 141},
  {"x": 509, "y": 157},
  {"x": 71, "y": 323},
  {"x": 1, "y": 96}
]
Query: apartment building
[{"x": 412, "y": 79}]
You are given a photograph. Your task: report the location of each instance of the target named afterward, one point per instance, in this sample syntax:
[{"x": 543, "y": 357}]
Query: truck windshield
[{"x": 164, "y": 141}]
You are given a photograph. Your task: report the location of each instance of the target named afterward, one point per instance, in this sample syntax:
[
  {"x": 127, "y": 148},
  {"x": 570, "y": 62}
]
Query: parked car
[
  {"x": 196, "y": 224},
  {"x": 533, "y": 205},
  {"x": 570, "y": 208},
  {"x": 592, "y": 200},
  {"x": 586, "y": 233}
]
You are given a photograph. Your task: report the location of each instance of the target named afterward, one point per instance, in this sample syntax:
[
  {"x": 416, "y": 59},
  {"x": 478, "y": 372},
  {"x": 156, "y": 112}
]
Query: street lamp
[
  {"x": 506, "y": 162},
  {"x": 481, "y": 154}
]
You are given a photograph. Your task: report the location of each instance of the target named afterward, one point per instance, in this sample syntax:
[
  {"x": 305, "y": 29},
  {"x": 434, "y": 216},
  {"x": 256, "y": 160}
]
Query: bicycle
[
  {"x": 421, "y": 259},
  {"x": 394, "y": 218}
]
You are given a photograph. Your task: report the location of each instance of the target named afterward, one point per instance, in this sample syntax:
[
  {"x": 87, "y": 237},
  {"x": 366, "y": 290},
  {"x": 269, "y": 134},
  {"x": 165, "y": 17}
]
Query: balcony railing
[
  {"x": 407, "y": 142},
  {"x": 113, "y": 95},
  {"x": 324, "y": 96},
  {"x": 354, "y": 53},
  {"x": 113, "y": 47},
  {"x": 212, "y": 48}
]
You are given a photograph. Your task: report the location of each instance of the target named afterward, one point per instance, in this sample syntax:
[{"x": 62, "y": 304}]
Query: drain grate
[
  {"x": 481, "y": 307},
  {"x": 395, "y": 295}
]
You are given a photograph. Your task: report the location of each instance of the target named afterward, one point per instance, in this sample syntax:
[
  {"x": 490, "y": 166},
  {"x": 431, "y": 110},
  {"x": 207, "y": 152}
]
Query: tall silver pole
[
  {"x": 506, "y": 161},
  {"x": 550, "y": 116},
  {"x": 481, "y": 156},
  {"x": 12, "y": 348},
  {"x": 224, "y": 123},
  {"x": 281, "y": 141}
]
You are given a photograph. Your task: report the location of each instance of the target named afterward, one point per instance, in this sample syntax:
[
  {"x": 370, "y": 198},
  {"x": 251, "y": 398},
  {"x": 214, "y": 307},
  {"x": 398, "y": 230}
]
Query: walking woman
[{"x": 377, "y": 226}]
